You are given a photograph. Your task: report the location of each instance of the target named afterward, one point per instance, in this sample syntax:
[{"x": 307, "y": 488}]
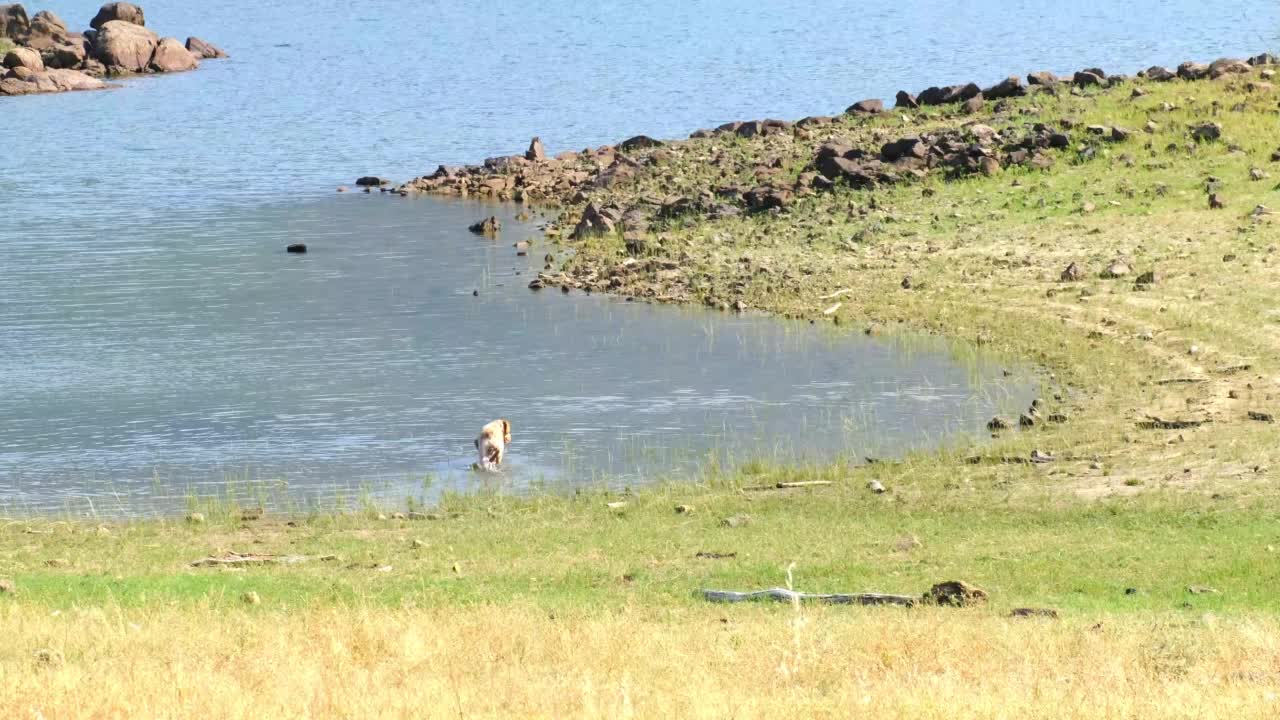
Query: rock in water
[
  {"x": 296, "y": 248},
  {"x": 171, "y": 56},
  {"x": 125, "y": 47},
  {"x": 489, "y": 226},
  {"x": 204, "y": 50},
  {"x": 370, "y": 181},
  {"x": 123, "y": 11}
]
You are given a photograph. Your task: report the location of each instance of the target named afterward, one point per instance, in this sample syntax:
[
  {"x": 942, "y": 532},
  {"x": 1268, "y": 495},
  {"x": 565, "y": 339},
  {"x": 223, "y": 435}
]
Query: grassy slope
[{"x": 563, "y": 606}]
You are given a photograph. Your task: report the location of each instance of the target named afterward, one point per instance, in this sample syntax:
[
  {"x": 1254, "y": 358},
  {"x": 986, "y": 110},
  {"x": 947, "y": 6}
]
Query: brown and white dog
[{"x": 492, "y": 444}]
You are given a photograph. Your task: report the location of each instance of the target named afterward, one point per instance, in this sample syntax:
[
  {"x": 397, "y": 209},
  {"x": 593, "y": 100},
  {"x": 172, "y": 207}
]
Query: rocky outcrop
[
  {"x": 204, "y": 50},
  {"x": 118, "y": 44},
  {"x": 121, "y": 11},
  {"x": 171, "y": 56}
]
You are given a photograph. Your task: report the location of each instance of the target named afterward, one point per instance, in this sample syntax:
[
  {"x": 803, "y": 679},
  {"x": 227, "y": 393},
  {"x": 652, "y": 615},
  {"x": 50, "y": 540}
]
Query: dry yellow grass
[{"x": 761, "y": 662}]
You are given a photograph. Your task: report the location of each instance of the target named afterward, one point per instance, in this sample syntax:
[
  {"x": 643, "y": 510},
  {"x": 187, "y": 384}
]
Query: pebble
[{"x": 876, "y": 487}]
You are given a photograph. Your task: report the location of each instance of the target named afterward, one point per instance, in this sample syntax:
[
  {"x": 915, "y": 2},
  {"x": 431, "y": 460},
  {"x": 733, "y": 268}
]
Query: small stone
[
  {"x": 1193, "y": 350},
  {"x": 1119, "y": 134},
  {"x": 997, "y": 423},
  {"x": 1261, "y": 416},
  {"x": 907, "y": 543},
  {"x": 1257, "y": 174},
  {"x": 1034, "y": 612},
  {"x": 1072, "y": 273},
  {"x": 1151, "y": 127},
  {"x": 1202, "y": 590},
  {"x": 8, "y": 587},
  {"x": 417, "y": 544},
  {"x": 296, "y": 248},
  {"x": 251, "y": 598},
  {"x": 876, "y": 487},
  {"x": 195, "y": 518},
  {"x": 371, "y": 181},
  {"x": 489, "y": 226},
  {"x": 1026, "y": 421},
  {"x": 1216, "y": 202},
  {"x": 1146, "y": 278},
  {"x": 735, "y": 521},
  {"x": 684, "y": 509},
  {"x": 342, "y": 188},
  {"x": 48, "y": 657},
  {"x": 1116, "y": 269},
  {"x": 906, "y": 283}
]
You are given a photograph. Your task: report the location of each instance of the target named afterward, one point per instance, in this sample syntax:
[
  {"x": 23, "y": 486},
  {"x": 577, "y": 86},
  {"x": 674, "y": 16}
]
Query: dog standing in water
[{"x": 492, "y": 444}]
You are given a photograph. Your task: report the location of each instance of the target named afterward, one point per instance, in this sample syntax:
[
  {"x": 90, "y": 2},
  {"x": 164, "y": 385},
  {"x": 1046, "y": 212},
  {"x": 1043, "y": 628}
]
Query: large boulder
[
  {"x": 46, "y": 30},
  {"x": 125, "y": 47},
  {"x": 24, "y": 57},
  {"x": 122, "y": 11},
  {"x": 204, "y": 50},
  {"x": 13, "y": 21},
  {"x": 1007, "y": 88},
  {"x": 171, "y": 56},
  {"x": 1228, "y": 66},
  {"x": 69, "y": 55}
]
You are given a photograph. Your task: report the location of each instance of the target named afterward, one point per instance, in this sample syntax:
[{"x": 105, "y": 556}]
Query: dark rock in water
[
  {"x": 1007, "y": 88},
  {"x": 866, "y": 107},
  {"x": 296, "y": 248},
  {"x": 639, "y": 142},
  {"x": 1043, "y": 78},
  {"x": 1193, "y": 71},
  {"x": 535, "y": 152},
  {"x": 127, "y": 12},
  {"x": 1084, "y": 78},
  {"x": 906, "y": 100},
  {"x": 371, "y": 181},
  {"x": 204, "y": 50},
  {"x": 489, "y": 226}
]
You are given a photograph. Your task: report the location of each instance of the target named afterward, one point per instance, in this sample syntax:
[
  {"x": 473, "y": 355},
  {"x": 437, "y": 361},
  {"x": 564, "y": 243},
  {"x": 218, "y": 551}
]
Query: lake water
[{"x": 155, "y": 339}]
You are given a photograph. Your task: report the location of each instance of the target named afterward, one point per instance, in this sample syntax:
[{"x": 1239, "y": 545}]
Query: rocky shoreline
[
  {"x": 643, "y": 185},
  {"x": 48, "y": 57}
]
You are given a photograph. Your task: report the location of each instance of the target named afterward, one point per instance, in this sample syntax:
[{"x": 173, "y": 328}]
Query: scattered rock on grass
[
  {"x": 998, "y": 423},
  {"x": 876, "y": 487},
  {"x": 684, "y": 509},
  {"x": 1033, "y": 613},
  {"x": 1261, "y": 416},
  {"x": 1216, "y": 202},
  {"x": 195, "y": 518},
  {"x": 955, "y": 593},
  {"x": 1116, "y": 269},
  {"x": 735, "y": 521},
  {"x": 8, "y": 587},
  {"x": 251, "y": 598},
  {"x": 1206, "y": 132},
  {"x": 866, "y": 107},
  {"x": 1072, "y": 273}
]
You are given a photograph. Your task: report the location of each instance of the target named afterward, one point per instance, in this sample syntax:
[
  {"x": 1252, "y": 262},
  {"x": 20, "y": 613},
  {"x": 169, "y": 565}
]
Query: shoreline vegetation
[{"x": 1117, "y": 231}]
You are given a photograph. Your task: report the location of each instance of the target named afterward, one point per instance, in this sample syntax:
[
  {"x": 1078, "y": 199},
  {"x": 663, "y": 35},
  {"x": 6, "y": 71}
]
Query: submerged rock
[
  {"x": 204, "y": 50},
  {"x": 489, "y": 226}
]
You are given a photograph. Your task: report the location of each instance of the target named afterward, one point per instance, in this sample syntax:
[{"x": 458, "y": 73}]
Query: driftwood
[
  {"x": 235, "y": 559},
  {"x": 784, "y": 595},
  {"x": 1229, "y": 369},
  {"x": 1154, "y": 423},
  {"x": 1181, "y": 381}
]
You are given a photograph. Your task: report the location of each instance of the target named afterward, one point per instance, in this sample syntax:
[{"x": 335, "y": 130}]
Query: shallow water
[
  {"x": 144, "y": 364},
  {"x": 155, "y": 339}
]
